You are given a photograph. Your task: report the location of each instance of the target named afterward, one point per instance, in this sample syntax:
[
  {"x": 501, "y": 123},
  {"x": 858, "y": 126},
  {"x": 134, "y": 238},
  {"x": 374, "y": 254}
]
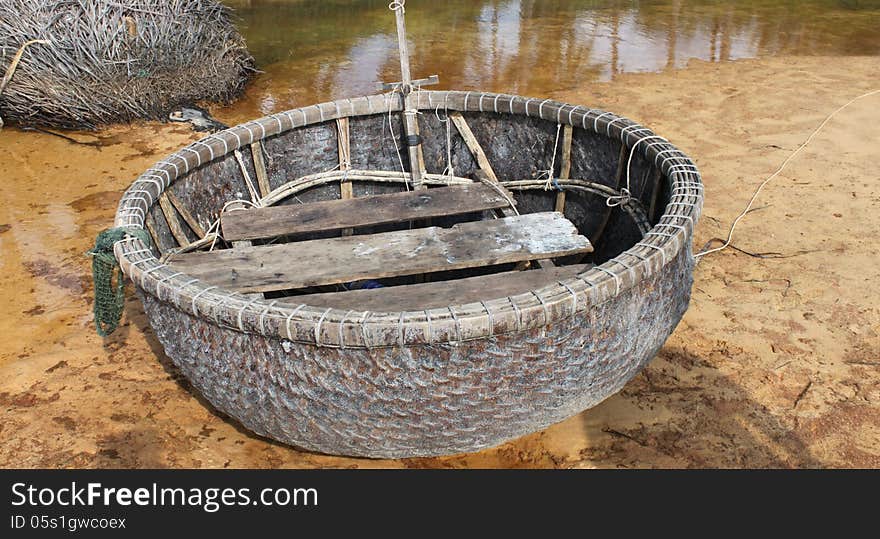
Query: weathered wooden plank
[
  {"x": 237, "y": 246},
  {"x": 509, "y": 211},
  {"x": 343, "y": 143},
  {"x": 417, "y": 297},
  {"x": 404, "y": 252},
  {"x": 363, "y": 211}
]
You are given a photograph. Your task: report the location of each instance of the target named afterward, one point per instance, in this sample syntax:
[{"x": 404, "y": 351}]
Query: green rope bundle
[{"x": 110, "y": 296}]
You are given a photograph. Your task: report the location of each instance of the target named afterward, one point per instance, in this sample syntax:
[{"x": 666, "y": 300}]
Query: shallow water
[{"x": 315, "y": 51}]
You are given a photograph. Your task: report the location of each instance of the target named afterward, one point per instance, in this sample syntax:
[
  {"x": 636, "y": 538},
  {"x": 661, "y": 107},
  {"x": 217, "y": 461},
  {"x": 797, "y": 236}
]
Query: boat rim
[{"x": 355, "y": 328}]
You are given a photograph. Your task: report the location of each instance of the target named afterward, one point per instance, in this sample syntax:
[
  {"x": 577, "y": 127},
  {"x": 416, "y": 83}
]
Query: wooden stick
[
  {"x": 343, "y": 140},
  {"x": 565, "y": 171},
  {"x": 411, "y": 124},
  {"x": 305, "y": 182},
  {"x": 173, "y": 222},
  {"x": 187, "y": 216},
  {"x": 14, "y": 64},
  {"x": 471, "y": 141},
  {"x": 402, "y": 45},
  {"x": 428, "y": 81},
  {"x": 655, "y": 194},
  {"x": 621, "y": 165},
  {"x": 260, "y": 168},
  {"x": 415, "y": 152},
  {"x": 152, "y": 231},
  {"x": 200, "y": 243}
]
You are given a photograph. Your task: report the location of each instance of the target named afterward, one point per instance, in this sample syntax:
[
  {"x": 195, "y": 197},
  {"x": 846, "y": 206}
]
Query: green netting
[{"x": 110, "y": 296}]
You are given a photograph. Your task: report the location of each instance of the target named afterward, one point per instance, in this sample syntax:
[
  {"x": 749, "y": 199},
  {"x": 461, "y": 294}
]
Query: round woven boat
[{"x": 429, "y": 379}]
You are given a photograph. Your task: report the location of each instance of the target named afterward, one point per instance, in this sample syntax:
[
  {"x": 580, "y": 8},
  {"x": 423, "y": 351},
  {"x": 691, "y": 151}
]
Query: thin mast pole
[
  {"x": 411, "y": 125},
  {"x": 403, "y": 46}
]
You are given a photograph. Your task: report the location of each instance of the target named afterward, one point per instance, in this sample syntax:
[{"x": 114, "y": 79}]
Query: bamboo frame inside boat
[{"x": 670, "y": 235}]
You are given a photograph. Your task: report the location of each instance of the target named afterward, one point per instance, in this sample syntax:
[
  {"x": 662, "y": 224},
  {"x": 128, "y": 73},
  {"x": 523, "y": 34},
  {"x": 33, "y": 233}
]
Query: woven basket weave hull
[
  {"x": 425, "y": 400},
  {"x": 441, "y": 380}
]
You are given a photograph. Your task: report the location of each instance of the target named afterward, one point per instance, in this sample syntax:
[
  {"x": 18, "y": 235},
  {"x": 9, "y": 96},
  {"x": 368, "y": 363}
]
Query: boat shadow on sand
[{"x": 692, "y": 414}]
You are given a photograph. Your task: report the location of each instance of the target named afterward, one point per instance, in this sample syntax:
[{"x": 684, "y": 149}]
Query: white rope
[
  {"x": 393, "y": 136},
  {"x": 544, "y": 306},
  {"x": 517, "y": 313},
  {"x": 247, "y": 178},
  {"x": 342, "y": 329},
  {"x": 626, "y": 193},
  {"x": 549, "y": 173},
  {"x": 574, "y": 297},
  {"x": 430, "y": 328},
  {"x": 363, "y": 325},
  {"x": 241, "y": 311},
  {"x": 401, "y": 337},
  {"x": 263, "y": 316},
  {"x": 632, "y": 152},
  {"x": 490, "y": 318},
  {"x": 289, "y": 318},
  {"x": 498, "y": 188},
  {"x": 763, "y": 184},
  {"x": 448, "y": 171},
  {"x": 456, "y": 322},
  {"x": 619, "y": 200}
]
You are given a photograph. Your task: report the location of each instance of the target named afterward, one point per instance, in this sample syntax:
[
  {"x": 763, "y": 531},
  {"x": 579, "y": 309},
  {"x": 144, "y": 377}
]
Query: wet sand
[{"x": 776, "y": 364}]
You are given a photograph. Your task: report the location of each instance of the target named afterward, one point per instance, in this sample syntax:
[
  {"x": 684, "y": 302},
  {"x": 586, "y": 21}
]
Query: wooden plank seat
[
  {"x": 275, "y": 221},
  {"x": 438, "y": 294},
  {"x": 345, "y": 259}
]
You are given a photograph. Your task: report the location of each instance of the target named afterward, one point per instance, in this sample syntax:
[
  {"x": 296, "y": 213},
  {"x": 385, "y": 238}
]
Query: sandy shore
[{"x": 777, "y": 363}]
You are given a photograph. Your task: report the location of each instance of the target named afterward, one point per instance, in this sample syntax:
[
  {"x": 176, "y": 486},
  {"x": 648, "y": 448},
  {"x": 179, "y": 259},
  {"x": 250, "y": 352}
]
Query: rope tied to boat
[
  {"x": 552, "y": 183},
  {"x": 619, "y": 200},
  {"x": 110, "y": 296}
]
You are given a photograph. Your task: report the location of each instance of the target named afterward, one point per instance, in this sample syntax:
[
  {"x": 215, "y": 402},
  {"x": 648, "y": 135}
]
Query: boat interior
[{"x": 331, "y": 215}]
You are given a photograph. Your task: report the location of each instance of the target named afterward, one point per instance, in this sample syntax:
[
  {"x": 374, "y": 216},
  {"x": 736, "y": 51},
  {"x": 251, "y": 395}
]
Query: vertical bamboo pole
[
  {"x": 402, "y": 45},
  {"x": 411, "y": 123},
  {"x": 565, "y": 171},
  {"x": 343, "y": 143},
  {"x": 260, "y": 168}
]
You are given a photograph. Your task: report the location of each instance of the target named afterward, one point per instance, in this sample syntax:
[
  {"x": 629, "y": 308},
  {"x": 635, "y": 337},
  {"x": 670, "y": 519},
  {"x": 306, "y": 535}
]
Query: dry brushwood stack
[{"x": 92, "y": 62}]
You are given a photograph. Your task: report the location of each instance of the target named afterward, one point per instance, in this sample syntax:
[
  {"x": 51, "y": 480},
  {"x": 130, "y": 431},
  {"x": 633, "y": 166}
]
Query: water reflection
[{"x": 315, "y": 50}]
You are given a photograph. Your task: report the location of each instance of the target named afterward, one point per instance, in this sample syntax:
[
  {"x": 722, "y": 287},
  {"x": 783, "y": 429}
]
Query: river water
[{"x": 314, "y": 51}]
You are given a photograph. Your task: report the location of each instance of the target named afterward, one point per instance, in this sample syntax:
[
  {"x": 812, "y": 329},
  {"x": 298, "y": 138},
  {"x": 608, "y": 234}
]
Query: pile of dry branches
[{"x": 102, "y": 61}]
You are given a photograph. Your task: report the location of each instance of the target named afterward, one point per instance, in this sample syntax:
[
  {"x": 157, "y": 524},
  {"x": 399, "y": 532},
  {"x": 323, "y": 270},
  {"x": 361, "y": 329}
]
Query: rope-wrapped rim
[{"x": 455, "y": 323}]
